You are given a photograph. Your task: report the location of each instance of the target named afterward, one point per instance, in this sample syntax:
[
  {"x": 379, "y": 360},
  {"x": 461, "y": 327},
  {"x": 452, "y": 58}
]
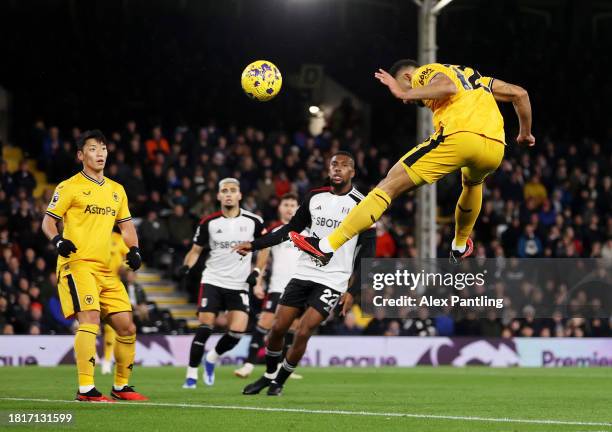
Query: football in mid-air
[{"x": 261, "y": 80}]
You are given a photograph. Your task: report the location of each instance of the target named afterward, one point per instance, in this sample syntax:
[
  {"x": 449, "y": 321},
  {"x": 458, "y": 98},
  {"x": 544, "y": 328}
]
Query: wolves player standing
[
  {"x": 284, "y": 263},
  {"x": 225, "y": 280},
  {"x": 313, "y": 292}
]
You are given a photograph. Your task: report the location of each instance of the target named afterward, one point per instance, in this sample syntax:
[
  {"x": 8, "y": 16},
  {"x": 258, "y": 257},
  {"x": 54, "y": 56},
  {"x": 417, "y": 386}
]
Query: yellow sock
[
  {"x": 109, "y": 342},
  {"x": 85, "y": 352},
  {"x": 360, "y": 218},
  {"x": 125, "y": 351},
  {"x": 466, "y": 213}
]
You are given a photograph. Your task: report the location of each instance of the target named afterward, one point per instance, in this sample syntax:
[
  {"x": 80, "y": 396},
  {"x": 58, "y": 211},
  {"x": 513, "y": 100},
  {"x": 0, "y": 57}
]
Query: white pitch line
[{"x": 336, "y": 412}]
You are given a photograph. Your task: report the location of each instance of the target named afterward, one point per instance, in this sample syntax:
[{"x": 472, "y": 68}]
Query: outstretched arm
[
  {"x": 300, "y": 220},
  {"x": 440, "y": 87},
  {"x": 506, "y": 92}
]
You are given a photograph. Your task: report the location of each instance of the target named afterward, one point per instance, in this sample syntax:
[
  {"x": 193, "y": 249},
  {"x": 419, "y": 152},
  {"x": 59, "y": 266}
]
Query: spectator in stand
[
  {"x": 281, "y": 184},
  {"x": 153, "y": 237},
  {"x": 385, "y": 245},
  {"x": 180, "y": 229},
  {"x": 23, "y": 178},
  {"x": 348, "y": 326},
  {"x": 157, "y": 143},
  {"x": 529, "y": 245}
]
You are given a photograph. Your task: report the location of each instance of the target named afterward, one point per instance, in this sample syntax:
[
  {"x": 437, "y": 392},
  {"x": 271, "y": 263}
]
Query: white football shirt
[{"x": 219, "y": 234}]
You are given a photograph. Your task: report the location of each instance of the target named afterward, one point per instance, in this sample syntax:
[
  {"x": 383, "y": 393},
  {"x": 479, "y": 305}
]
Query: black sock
[
  {"x": 284, "y": 372},
  {"x": 257, "y": 341},
  {"x": 288, "y": 342},
  {"x": 197, "y": 345},
  {"x": 227, "y": 342},
  {"x": 272, "y": 359}
]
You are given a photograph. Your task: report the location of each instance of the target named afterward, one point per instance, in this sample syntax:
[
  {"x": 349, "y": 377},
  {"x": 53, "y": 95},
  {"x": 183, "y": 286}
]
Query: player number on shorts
[{"x": 329, "y": 297}]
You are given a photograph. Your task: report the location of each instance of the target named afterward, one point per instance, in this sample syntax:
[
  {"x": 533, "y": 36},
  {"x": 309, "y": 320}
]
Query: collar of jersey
[
  {"x": 331, "y": 191},
  {"x": 99, "y": 183},
  {"x": 238, "y": 215}
]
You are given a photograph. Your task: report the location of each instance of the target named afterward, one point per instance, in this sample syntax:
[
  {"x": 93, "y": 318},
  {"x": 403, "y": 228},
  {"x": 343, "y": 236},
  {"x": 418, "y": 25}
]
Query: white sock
[
  {"x": 325, "y": 246},
  {"x": 458, "y": 248},
  {"x": 192, "y": 372},
  {"x": 272, "y": 375},
  {"x": 85, "y": 389},
  {"x": 117, "y": 387},
  {"x": 212, "y": 356}
]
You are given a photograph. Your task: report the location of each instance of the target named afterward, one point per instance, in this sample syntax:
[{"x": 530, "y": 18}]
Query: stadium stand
[{"x": 553, "y": 202}]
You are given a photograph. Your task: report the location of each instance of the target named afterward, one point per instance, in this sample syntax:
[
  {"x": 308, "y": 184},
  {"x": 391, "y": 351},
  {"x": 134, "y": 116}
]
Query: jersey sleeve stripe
[
  {"x": 321, "y": 189},
  {"x": 54, "y": 216},
  {"x": 124, "y": 219},
  {"x": 491, "y": 84},
  {"x": 252, "y": 215},
  {"x": 211, "y": 216},
  {"x": 355, "y": 198}
]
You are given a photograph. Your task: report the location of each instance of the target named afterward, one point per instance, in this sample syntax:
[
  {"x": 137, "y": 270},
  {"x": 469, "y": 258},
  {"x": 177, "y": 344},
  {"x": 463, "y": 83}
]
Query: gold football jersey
[
  {"x": 89, "y": 209},
  {"x": 472, "y": 109}
]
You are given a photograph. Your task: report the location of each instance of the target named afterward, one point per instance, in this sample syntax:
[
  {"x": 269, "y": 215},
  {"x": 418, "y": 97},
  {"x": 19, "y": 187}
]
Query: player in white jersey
[
  {"x": 313, "y": 292},
  {"x": 284, "y": 263},
  {"x": 226, "y": 279}
]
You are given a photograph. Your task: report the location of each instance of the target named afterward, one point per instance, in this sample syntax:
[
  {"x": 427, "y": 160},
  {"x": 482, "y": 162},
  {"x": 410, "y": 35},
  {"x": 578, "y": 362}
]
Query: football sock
[
  {"x": 109, "y": 342},
  {"x": 360, "y": 218},
  {"x": 257, "y": 341},
  {"x": 466, "y": 213},
  {"x": 272, "y": 359},
  {"x": 197, "y": 345},
  {"x": 284, "y": 372},
  {"x": 85, "y": 353},
  {"x": 125, "y": 351},
  {"x": 288, "y": 341},
  {"x": 192, "y": 372},
  {"x": 228, "y": 341}
]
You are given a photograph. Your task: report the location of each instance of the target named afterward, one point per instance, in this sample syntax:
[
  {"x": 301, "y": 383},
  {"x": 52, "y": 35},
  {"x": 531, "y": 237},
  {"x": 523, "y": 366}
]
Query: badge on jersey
[{"x": 54, "y": 200}]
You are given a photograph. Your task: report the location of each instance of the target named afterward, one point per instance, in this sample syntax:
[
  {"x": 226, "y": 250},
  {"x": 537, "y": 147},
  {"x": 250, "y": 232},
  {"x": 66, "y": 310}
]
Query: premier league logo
[{"x": 54, "y": 200}]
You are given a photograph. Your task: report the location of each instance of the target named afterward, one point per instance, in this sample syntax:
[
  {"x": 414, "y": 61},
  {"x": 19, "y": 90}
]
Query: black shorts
[
  {"x": 216, "y": 299},
  {"x": 270, "y": 302},
  {"x": 302, "y": 294}
]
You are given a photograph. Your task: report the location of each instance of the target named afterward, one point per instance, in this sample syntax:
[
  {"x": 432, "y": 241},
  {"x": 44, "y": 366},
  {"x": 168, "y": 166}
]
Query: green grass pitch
[{"x": 386, "y": 399}]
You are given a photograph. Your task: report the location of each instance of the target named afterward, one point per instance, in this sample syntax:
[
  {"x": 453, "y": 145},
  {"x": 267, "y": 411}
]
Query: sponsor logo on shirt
[
  {"x": 104, "y": 211},
  {"x": 225, "y": 244},
  {"x": 326, "y": 222}
]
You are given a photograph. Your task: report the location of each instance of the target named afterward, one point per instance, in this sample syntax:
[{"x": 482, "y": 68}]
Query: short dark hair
[
  {"x": 95, "y": 134},
  {"x": 289, "y": 196},
  {"x": 400, "y": 64},
  {"x": 344, "y": 153}
]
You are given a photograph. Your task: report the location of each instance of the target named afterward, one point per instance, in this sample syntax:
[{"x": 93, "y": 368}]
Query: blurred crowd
[{"x": 553, "y": 200}]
